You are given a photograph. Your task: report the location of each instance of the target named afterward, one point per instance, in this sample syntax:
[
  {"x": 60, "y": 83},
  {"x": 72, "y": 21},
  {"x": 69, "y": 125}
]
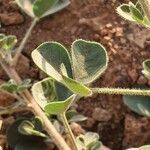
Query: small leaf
[
  {"x": 27, "y": 128},
  {"x": 138, "y": 104},
  {"x": 40, "y": 7},
  {"x": 59, "y": 107},
  {"x": 124, "y": 11},
  {"x": 73, "y": 116},
  {"x": 49, "y": 90},
  {"x": 10, "y": 86},
  {"x": 136, "y": 14},
  {"x": 49, "y": 57},
  {"x": 78, "y": 118},
  {"x": 91, "y": 138},
  {"x": 90, "y": 60},
  {"x": 146, "y": 70},
  {"x": 89, "y": 141},
  {"x": 10, "y": 41},
  {"x": 76, "y": 87}
]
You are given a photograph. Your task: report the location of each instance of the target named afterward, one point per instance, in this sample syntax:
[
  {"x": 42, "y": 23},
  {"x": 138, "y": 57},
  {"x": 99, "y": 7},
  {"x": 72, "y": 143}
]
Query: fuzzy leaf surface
[{"x": 89, "y": 60}]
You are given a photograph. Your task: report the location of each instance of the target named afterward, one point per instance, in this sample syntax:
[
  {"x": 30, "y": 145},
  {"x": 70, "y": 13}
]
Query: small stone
[
  {"x": 90, "y": 122},
  {"x": 100, "y": 114},
  {"x": 107, "y": 38},
  {"x": 109, "y": 25},
  {"x": 133, "y": 75},
  {"x": 11, "y": 18},
  {"x": 136, "y": 131}
]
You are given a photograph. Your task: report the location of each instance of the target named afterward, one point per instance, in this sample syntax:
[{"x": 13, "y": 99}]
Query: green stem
[
  {"x": 120, "y": 91},
  {"x": 24, "y": 41},
  {"x": 67, "y": 127}
]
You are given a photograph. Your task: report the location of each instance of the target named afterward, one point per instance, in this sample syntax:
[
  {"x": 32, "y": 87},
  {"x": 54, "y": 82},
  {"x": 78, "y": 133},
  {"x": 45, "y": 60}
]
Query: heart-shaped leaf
[
  {"x": 146, "y": 68},
  {"x": 40, "y": 7},
  {"x": 138, "y": 104},
  {"x": 59, "y": 107},
  {"x": 12, "y": 87},
  {"x": 50, "y": 57},
  {"x": 49, "y": 90},
  {"x": 89, "y": 60}
]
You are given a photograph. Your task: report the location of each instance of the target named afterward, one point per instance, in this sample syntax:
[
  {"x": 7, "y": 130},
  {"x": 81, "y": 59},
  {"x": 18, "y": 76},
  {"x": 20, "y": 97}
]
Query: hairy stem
[
  {"x": 24, "y": 41},
  {"x": 56, "y": 137},
  {"x": 120, "y": 91},
  {"x": 146, "y": 7},
  {"x": 68, "y": 129}
]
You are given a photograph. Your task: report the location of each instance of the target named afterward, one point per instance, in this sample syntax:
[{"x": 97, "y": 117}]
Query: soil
[{"x": 127, "y": 45}]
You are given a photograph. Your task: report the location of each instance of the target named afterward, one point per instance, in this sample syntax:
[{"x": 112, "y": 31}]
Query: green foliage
[
  {"x": 59, "y": 107},
  {"x": 89, "y": 141},
  {"x": 49, "y": 92},
  {"x": 55, "y": 61},
  {"x": 6, "y": 44},
  {"x": 146, "y": 68},
  {"x": 138, "y": 104},
  {"x": 89, "y": 60},
  {"x": 50, "y": 57},
  {"x": 76, "y": 87},
  {"x": 26, "y": 135},
  {"x": 145, "y": 147},
  {"x": 42, "y": 8},
  {"x": 134, "y": 13},
  {"x": 74, "y": 116},
  {"x": 12, "y": 87}
]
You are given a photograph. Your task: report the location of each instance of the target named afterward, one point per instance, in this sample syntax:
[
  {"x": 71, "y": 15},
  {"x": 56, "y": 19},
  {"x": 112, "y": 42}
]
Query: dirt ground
[{"x": 127, "y": 45}]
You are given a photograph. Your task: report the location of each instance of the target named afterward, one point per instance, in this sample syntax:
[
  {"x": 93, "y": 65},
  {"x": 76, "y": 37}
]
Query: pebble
[
  {"x": 100, "y": 114},
  {"x": 11, "y": 18},
  {"x": 133, "y": 74}
]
